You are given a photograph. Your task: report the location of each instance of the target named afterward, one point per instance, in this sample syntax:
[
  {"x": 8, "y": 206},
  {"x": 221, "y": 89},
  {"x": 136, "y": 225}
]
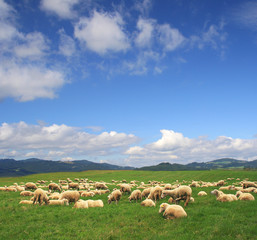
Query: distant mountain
[
  {"x": 11, "y": 167},
  {"x": 223, "y": 163}
]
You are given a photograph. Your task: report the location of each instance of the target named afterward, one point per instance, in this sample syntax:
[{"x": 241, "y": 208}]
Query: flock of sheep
[{"x": 68, "y": 191}]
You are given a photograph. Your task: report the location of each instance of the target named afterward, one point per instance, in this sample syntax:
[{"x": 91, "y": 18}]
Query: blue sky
[{"x": 128, "y": 82}]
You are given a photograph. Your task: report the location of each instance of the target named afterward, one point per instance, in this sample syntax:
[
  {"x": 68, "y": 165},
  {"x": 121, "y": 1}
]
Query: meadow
[{"x": 207, "y": 218}]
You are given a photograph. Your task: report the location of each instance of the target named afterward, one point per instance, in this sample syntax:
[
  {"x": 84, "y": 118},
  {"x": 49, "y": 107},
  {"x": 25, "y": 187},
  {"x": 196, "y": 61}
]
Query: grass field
[{"x": 207, "y": 218}]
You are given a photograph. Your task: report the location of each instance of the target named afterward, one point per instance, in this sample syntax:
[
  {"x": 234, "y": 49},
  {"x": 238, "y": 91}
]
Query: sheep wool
[{"x": 172, "y": 211}]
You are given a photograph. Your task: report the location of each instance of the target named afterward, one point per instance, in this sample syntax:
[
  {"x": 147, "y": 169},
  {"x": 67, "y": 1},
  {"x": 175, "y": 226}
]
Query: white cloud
[
  {"x": 174, "y": 147},
  {"x": 28, "y": 82},
  {"x": 144, "y": 37},
  {"x": 67, "y": 45},
  {"x": 59, "y": 141},
  {"x": 170, "y": 37},
  {"x": 34, "y": 45},
  {"x": 62, "y": 8},
  {"x": 102, "y": 33}
]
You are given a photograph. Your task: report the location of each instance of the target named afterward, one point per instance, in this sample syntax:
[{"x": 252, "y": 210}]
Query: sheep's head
[
  {"x": 215, "y": 192},
  {"x": 163, "y": 207}
]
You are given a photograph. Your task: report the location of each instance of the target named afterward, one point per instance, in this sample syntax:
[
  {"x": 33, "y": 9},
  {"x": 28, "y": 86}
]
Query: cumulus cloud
[
  {"x": 28, "y": 82},
  {"x": 102, "y": 33},
  {"x": 62, "y": 8},
  {"x": 146, "y": 28},
  {"x": 59, "y": 141},
  {"x": 174, "y": 147}
]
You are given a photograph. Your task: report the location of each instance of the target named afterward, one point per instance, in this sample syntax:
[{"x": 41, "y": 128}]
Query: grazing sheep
[
  {"x": 155, "y": 193},
  {"x": 26, "y": 193},
  {"x": 182, "y": 192},
  {"x": 146, "y": 192},
  {"x": 40, "y": 196},
  {"x": 114, "y": 196},
  {"x": 248, "y": 184},
  {"x": 73, "y": 185},
  {"x": 95, "y": 203},
  {"x": 71, "y": 196},
  {"x": 245, "y": 196},
  {"x": 59, "y": 202},
  {"x": 222, "y": 197},
  {"x": 135, "y": 195},
  {"x": 26, "y": 202},
  {"x": 54, "y": 186},
  {"x": 125, "y": 188},
  {"x": 202, "y": 193},
  {"x": 30, "y": 185},
  {"x": 87, "y": 194},
  {"x": 220, "y": 183},
  {"x": 99, "y": 185},
  {"x": 172, "y": 211},
  {"x": 81, "y": 204},
  {"x": 148, "y": 203}
]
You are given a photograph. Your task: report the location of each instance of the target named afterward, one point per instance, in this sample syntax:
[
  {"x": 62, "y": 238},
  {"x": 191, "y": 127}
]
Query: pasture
[{"x": 207, "y": 218}]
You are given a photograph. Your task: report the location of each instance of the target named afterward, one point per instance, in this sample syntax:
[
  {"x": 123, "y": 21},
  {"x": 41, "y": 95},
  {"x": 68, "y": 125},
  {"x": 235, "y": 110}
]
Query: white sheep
[
  {"x": 40, "y": 196},
  {"x": 114, "y": 196},
  {"x": 155, "y": 193},
  {"x": 146, "y": 192},
  {"x": 95, "y": 203},
  {"x": 148, "y": 203},
  {"x": 245, "y": 196},
  {"x": 135, "y": 195},
  {"x": 26, "y": 193},
  {"x": 172, "y": 211},
  {"x": 222, "y": 197},
  {"x": 81, "y": 204},
  {"x": 71, "y": 196},
  {"x": 59, "y": 202},
  {"x": 26, "y": 202},
  {"x": 30, "y": 185},
  {"x": 202, "y": 193}
]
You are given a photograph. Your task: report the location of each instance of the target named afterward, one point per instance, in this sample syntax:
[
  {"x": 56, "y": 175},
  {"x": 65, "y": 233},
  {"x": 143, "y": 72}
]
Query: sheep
[
  {"x": 26, "y": 193},
  {"x": 148, "y": 203},
  {"x": 146, "y": 192},
  {"x": 226, "y": 188},
  {"x": 100, "y": 185},
  {"x": 245, "y": 196},
  {"x": 20, "y": 189},
  {"x": 202, "y": 193},
  {"x": 135, "y": 195},
  {"x": 167, "y": 186},
  {"x": 182, "y": 192},
  {"x": 87, "y": 194},
  {"x": 95, "y": 203},
  {"x": 55, "y": 196},
  {"x": 2, "y": 188},
  {"x": 10, "y": 189},
  {"x": 114, "y": 196},
  {"x": 59, "y": 202},
  {"x": 248, "y": 190},
  {"x": 172, "y": 211},
  {"x": 73, "y": 185},
  {"x": 220, "y": 183},
  {"x": 30, "y": 185},
  {"x": 155, "y": 193},
  {"x": 71, "y": 196},
  {"x": 248, "y": 184},
  {"x": 125, "y": 188},
  {"x": 81, "y": 204},
  {"x": 54, "y": 186},
  {"x": 40, "y": 196},
  {"x": 194, "y": 184},
  {"x": 222, "y": 197},
  {"x": 26, "y": 202}
]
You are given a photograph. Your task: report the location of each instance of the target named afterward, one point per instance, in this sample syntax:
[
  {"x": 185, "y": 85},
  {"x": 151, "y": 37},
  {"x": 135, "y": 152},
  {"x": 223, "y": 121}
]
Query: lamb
[
  {"x": 54, "y": 186},
  {"x": 125, "y": 188},
  {"x": 59, "y": 202},
  {"x": 155, "y": 193},
  {"x": 81, "y": 204},
  {"x": 148, "y": 203},
  {"x": 135, "y": 195},
  {"x": 114, "y": 196},
  {"x": 202, "y": 193},
  {"x": 30, "y": 185},
  {"x": 95, "y": 203},
  {"x": 26, "y": 193},
  {"x": 222, "y": 197},
  {"x": 182, "y": 192},
  {"x": 245, "y": 196},
  {"x": 99, "y": 185},
  {"x": 71, "y": 196},
  {"x": 172, "y": 211},
  {"x": 146, "y": 192},
  {"x": 73, "y": 185},
  {"x": 40, "y": 196}
]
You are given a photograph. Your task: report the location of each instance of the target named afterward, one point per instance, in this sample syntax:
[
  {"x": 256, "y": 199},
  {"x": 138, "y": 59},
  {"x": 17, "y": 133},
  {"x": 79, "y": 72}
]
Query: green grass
[{"x": 207, "y": 218}]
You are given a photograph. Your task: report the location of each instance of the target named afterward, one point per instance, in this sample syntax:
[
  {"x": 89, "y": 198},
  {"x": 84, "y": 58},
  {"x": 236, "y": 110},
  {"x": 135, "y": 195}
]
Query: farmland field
[{"x": 207, "y": 218}]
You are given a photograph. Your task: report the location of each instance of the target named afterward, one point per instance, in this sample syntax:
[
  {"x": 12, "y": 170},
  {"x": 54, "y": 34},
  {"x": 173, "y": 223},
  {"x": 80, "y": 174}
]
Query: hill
[
  {"x": 11, "y": 167},
  {"x": 223, "y": 163}
]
